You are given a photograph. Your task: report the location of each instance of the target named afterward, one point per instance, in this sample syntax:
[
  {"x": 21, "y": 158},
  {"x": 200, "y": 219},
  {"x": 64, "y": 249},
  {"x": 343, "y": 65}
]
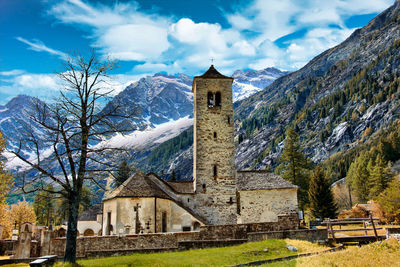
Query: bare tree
[{"x": 73, "y": 127}]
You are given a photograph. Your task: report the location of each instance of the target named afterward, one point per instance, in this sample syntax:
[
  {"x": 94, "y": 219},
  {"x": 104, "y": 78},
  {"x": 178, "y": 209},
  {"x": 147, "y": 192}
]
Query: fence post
[
  {"x": 373, "y": 225},
  {"x": 330, "y": 224},
  {"x": 366, "y": 232}
]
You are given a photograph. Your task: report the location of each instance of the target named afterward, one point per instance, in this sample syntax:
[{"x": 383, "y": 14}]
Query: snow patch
[{"x": 149, "y": 137}]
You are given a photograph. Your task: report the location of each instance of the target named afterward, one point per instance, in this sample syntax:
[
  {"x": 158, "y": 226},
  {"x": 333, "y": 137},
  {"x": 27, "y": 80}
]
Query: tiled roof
[
  {"x": 138, "y": 185},
  {"x": 213, "y": 73},
  {"x": 258, "y": 180},
  {"x": 91, "y": 213},
  {"x": 183, "y": 187}
]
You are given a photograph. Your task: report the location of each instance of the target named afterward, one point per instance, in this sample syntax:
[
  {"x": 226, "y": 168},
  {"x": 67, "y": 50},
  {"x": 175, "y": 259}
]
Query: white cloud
[
  {"x": 39, "y": 46},
  {"x": 11, "y": 72},
  {"x": 174, "y": 44},
  {"x": 134, "y": 42},
  {"x": 120, "y": 30}
]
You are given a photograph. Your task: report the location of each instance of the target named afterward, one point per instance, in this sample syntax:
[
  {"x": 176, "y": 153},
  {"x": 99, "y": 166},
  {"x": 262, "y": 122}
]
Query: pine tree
[
  {"x": 294, "y": 166},
  {"x": 44, "y": 206},
  {"x": 123, "y": 173},
  {"x": 359, "y": 177},
  {"x": 389, "y": 200},
  {"x": 173, "y": 176},
  {"x": 320, "y": 195},
  {"x": 380, "y": 175}
]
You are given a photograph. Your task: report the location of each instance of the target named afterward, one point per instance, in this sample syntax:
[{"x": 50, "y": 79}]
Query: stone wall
[
  {"x": 266, "y": 205},
  {"x": 98, "y": 244},
  {"x": 7, "y": 246},
  {"x": 312, "y": 235},
  {"x": 119, "y": 245},
  {"x": 240, "y": 231},
  {"x": 393, "y": 232}
]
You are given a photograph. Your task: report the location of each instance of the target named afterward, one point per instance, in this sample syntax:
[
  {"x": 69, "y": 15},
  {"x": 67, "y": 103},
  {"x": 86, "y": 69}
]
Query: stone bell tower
[{"x": 214, "y": 149}]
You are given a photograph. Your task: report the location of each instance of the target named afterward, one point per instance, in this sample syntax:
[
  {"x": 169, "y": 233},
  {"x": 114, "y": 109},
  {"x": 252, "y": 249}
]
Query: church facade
[{"x": 218, "y": 194}]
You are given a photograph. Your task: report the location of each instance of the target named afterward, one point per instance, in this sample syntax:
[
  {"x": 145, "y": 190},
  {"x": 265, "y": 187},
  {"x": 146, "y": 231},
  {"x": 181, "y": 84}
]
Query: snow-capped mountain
[
  {"x": 249, "y": 82},
  {"x": 158, "y": 102},
  {"x": 15, "y": 119},
  {"x": 154, "y": 100}
]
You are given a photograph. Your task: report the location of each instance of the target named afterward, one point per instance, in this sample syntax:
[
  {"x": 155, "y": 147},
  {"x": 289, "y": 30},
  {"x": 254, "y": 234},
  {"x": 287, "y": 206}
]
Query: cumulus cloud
[
  {"x": 120, "y": 30},
  {"x": 39, "y": 46},
  {"x": 172, "y": 44}
]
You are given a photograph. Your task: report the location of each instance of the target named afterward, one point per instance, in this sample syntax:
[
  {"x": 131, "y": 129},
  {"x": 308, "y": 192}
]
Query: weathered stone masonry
[{"x": 214, "y": 149}]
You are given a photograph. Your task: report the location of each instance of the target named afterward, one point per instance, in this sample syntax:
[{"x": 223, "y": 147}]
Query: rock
[{"x": 291, "y": 248}]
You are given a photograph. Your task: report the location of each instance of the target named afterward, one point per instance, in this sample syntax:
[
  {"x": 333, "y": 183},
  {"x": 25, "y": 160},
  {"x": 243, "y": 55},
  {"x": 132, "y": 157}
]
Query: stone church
[{"x": 218, "y": 194}]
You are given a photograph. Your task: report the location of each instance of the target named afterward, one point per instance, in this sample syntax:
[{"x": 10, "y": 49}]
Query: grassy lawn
[
  {"x": 386, "y": 253},
  {"x": 210, "y": 257}
]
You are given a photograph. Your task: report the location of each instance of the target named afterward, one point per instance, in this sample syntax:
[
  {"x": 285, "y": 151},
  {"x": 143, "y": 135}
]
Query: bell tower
[{"x": 214, "y": 149}]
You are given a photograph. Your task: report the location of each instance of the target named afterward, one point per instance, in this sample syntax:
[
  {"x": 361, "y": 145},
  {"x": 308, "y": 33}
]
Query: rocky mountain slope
[
  {"x": 335, "y": 102},
  {"x": 331, "y": 101},
  {"x": 15, "y": 123},
  {"x": 146, "y": 107}
]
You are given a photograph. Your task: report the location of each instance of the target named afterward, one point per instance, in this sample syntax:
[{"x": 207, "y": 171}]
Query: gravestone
[
  {"x": 45, "y": 242},
  {"x": 24, "y": 242}
]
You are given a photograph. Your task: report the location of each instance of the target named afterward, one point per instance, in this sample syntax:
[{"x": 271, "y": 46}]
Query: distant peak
[{"x": 21, "y": 100}]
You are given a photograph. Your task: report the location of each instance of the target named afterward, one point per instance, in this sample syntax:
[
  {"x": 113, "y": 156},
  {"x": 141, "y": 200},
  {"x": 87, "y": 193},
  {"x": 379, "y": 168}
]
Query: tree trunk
[{"x": 70, "y": 248}]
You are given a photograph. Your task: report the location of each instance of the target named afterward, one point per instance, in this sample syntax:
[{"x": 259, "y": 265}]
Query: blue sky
[{"x": 172, "y": 36}]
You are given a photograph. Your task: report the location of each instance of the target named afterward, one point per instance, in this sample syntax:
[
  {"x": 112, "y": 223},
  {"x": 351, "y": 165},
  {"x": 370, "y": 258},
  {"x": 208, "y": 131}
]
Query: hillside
[
  {"x": 331, "y": 101},
  {"x": 335, "y": 102}
]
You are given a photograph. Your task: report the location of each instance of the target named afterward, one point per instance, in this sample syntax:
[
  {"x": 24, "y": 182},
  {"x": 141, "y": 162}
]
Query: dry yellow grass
[
  {"x": 305, "y": 246},
  {"x": 386, "y": 253}
]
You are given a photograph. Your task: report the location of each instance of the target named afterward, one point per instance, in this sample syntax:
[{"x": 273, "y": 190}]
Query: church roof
[
  {"x": 91, "y": 213},
  {"x": 138, "y": 185},
  {"x": 213, "y": 73},
  {"x": 261, "y": 180},
  {"x": 183, "y": 187}
]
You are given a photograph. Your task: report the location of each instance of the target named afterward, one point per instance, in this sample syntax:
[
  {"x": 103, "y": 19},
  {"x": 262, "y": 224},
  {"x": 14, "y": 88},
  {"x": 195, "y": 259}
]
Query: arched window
[
  {"x": 215, "y": 135},
  {"x": 218, "y": 99},
  {"x": 88, "y": 232},
  {"x": 215, "y": 170},
  {"x": 213, "y": 99},
  {"x": 210, "y": 99}
]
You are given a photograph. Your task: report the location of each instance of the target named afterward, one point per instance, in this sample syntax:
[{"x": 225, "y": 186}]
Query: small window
[
  {"x": 188, "y": 200},
  {"x": 186, "y": 228},
  {"x": 210, "y": 99},
  {"x": 204, "y": 186},
  {"x": 215, "y": 171},
  {"x": 230, "y": 200},
  {"x": 215, "y": 135},
  {"x": 218, "y": 99},
  {"x": 229, "y": 119}
]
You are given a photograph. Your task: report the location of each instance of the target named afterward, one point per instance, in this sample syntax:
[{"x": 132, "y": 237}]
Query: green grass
[{"x": 225, "y": 256}]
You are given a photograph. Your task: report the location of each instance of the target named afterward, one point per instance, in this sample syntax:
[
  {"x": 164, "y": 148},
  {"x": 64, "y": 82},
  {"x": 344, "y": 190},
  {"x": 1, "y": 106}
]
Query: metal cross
[
  {"x": 137, "y": 207},
  {"x": 212, "y": 61}
]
